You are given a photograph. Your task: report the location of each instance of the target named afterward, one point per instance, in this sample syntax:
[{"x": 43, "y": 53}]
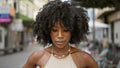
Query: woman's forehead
[
  {"x": 62, "y": 24},
  {"x": 58, "y": 24}
]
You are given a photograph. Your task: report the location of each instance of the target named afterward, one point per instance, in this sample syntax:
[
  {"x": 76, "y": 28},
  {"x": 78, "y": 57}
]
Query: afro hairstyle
[{"x": 76, "y": 19}]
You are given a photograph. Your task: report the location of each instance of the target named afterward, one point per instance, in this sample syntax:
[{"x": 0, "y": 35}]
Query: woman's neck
[{"x": 61, "y": 51}]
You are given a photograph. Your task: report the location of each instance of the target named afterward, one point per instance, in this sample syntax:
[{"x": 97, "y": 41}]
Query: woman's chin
[{"x": 60, "y": 45}]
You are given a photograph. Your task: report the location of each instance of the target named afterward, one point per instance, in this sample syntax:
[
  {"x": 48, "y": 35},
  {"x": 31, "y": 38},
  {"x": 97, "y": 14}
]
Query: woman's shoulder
[
  {"x": 33, "y": 59},
  {"x": 82, "y": 54},
  {"x": 36, "y": 55},
  {"x": 84, "y": 58},
  {"x": 40, "y": 53}
]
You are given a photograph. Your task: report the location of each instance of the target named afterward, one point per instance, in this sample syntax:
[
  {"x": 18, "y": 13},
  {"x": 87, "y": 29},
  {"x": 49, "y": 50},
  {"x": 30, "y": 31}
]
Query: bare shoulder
[
  {"x": 89, "y": 60},
  {"x": 36, "y": 55},
  {"x": 84, "y": 54},
  {"x": 83, "y": 59},
  {"x": 33, "y": 59}
]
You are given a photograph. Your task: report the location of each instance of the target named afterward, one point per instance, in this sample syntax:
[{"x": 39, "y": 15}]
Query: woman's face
[{"x": 60, "y": 35}]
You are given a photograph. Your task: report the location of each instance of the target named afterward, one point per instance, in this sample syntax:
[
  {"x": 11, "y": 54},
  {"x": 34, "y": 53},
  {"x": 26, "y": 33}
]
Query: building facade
[{"x": 16, "y": 19}]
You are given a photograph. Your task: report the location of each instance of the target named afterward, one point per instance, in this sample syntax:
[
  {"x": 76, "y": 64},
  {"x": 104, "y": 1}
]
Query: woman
[
  {"x": 60, "y": 25},
  {"x": 103, "y": 54}
]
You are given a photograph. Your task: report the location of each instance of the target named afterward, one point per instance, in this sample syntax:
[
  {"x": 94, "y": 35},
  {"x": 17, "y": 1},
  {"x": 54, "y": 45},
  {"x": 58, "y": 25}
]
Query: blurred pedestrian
[
  {"x": 103, "y": 54},
  {"x": 60, "y": 25},
  {"x": 105, "y": 40}
]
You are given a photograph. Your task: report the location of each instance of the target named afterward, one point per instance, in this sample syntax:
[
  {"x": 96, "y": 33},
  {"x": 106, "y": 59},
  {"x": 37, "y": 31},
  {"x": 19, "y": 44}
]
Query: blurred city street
[
  {"x": 16, "y": 30},
  {"x": 16, "y": 60}
]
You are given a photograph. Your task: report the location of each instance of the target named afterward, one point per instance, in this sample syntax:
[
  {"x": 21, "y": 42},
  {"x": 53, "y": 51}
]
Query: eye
[
  {"x": 54, "y": 30},
  {"x": 66, "y": 30}
]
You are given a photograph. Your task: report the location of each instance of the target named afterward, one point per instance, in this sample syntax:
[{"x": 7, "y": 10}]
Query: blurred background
[{"x": 16, "y": 31}]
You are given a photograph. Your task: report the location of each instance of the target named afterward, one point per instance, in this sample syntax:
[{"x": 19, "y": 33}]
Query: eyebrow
[{"x": 54, "y": 26}]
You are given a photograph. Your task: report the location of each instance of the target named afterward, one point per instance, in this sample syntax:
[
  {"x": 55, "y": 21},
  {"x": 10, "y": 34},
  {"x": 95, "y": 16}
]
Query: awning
[
  {"x": 98, "y": 24},
  {"x": 107, "y": 13},
  {"x": 26, "y": 20}
]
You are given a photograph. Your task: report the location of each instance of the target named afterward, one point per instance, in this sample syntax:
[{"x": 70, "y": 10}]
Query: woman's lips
[{"x": 59, "y": 42}]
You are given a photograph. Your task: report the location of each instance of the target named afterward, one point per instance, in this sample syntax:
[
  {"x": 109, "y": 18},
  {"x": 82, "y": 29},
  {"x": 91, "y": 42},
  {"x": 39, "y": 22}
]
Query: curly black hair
[{"x": 76, "y": 19}]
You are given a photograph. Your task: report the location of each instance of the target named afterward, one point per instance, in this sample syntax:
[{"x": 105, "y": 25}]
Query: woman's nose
[{"x": 60, "y": 34}]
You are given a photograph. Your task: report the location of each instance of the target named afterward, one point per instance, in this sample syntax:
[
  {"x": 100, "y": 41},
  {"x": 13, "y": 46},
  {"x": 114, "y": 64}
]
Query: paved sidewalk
[{"x": 18, "y": 59}]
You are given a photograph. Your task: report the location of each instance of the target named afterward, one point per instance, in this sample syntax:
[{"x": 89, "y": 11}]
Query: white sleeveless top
[{"x": 66, "y": 62}]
